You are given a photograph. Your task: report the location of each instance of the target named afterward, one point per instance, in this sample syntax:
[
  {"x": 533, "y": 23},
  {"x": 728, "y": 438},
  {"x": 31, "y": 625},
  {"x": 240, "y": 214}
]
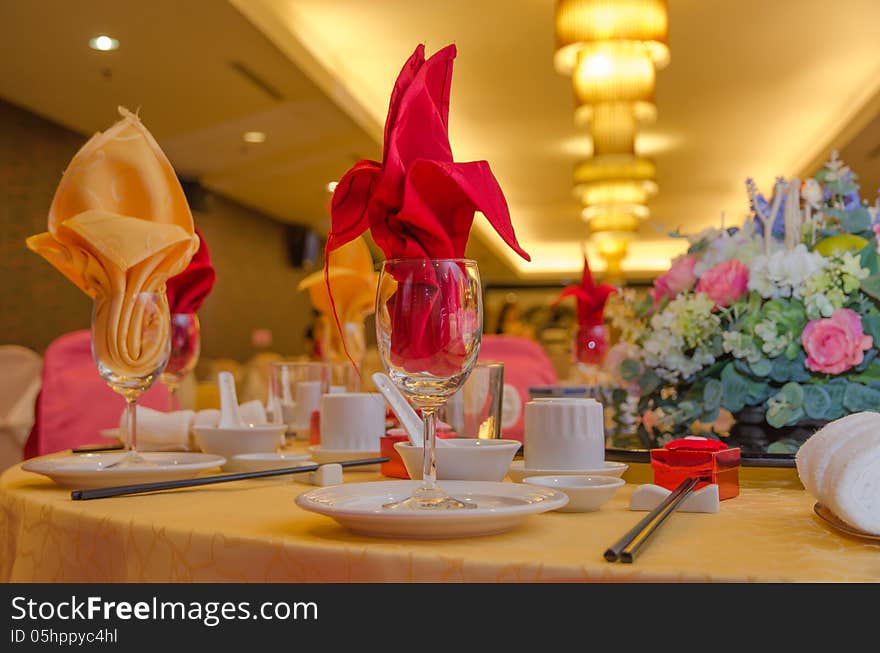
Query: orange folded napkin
[
  {"x": 352, "y": 282},
  {"x": 119, "y": 225}
]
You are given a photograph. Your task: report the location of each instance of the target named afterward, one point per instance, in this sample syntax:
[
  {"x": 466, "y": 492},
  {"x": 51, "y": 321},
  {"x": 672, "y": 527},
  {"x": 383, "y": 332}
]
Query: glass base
[
  {"x": 429, "y": 499},
  {"x": 132, "y": 459}
]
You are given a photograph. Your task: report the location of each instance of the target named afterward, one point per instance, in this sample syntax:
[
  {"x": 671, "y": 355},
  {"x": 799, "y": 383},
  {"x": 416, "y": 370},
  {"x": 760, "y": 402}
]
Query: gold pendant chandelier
[{"x": 612, "y": 50}]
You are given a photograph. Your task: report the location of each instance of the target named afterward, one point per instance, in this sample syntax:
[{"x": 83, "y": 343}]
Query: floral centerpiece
[{"x": 780, "y": 315}]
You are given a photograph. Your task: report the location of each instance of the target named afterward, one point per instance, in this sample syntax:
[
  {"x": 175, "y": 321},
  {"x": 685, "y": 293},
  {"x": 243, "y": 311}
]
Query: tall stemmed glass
[
  {"x": 130, "y": 344},
  {"x": 185, "y": 349},
  {"x": 429, "y": 322}
]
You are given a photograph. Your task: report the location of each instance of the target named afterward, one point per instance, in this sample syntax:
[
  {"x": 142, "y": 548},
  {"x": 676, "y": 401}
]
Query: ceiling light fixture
[
  {"x": 332, "y": 186},
  {"x": 254, "y": 137},
  {"x": 103, "y": 43},
  {"x": 612, "y": 50}
]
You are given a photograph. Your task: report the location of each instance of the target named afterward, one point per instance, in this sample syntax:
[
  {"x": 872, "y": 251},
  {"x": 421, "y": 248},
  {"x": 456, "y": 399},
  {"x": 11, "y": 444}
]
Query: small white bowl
[
  {"x": 226, "y": 442},
  {"x": 585, "y": 493},
  {"x": 463, "y": 459}
]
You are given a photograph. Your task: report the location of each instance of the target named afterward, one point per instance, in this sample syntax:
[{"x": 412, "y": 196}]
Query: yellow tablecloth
[{"x": 253, "y": 531}]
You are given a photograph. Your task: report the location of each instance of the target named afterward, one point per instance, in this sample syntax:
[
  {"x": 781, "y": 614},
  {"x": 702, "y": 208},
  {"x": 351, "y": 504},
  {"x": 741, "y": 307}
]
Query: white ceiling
[{"x": 754, "y": 88}]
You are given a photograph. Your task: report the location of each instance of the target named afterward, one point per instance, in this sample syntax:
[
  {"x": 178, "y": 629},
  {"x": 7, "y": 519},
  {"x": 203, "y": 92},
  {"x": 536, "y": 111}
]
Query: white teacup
[
  {"x": 352, "y": 421},
  {"x": 564, "y": 434}
]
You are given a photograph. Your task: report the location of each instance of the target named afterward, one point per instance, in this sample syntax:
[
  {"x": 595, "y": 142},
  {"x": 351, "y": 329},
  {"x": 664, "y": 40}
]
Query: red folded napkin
[
  {"x": 188, "y": 290},
  {"x": 590, "y": 308},
  {"x": 418, "y": 202}
]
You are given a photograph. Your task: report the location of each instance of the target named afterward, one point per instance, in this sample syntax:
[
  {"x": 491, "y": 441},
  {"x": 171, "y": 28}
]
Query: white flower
[
  {"x": 836, "y": 168},
  {"x": 783, "y": 273},
  {"x": 744, "y": 245},
  {"x": 812, "y": 192}
]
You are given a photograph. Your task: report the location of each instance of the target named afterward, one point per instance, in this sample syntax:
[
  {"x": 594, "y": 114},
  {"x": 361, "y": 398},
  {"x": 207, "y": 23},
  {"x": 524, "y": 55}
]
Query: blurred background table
[{"x": 253, "y": 531}]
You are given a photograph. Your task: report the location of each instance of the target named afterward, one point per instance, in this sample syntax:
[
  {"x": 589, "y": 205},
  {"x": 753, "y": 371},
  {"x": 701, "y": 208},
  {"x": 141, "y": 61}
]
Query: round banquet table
[{"x": 253, "y": 531}]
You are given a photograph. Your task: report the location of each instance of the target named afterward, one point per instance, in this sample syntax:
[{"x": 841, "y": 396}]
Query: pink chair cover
[
  {"x": 525, "y": 365},
  {"x": 75, "y": 403}
]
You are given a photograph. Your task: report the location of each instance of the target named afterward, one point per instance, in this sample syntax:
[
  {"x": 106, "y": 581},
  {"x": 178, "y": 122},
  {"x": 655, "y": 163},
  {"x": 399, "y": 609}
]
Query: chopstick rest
[
  {"x": 649, "y": 496},
  {"x": 329, "y": 474}
]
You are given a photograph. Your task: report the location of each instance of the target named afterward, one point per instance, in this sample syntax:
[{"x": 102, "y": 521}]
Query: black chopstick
[
  {"x": 101, "y": 493},
  {"x": 626, "y": 548},
  {"x": 90, "y": 448}
]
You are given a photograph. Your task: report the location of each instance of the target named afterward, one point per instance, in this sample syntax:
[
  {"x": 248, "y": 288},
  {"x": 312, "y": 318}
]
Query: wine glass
[
  {"x": 184, "y": 354},
  {"x": 130, "y": 344},
  {"x": 429, "y": 322}
]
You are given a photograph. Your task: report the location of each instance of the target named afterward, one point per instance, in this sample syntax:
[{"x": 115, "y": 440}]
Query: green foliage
[
  {"x": 649, "y": 382},
  {"x": 868, "y": 257},
  {"x": 871, "y": 325},
  {"x": 856, "y": 221},
  {"x": 786, "y": 406},
  {"x": 871, "y": 286},
  {"x": 817, "y": 402},
  {"x": 790, "y": 370},
  {"x": 858, "y": 397},
  {"x": 630, "y": 369}
]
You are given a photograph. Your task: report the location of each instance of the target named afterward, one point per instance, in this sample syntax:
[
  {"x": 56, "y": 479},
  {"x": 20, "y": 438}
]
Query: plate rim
[
  {"x": 608, "y": 465},
  {"x": 827, "y": 515},
  {"x": 304, "y": 501},
  {"x": 33, "y": 464},
  {"x": 319, "y": 449}
]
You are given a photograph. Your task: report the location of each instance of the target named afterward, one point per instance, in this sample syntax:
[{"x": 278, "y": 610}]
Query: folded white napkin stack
[
  {"x": 840, "y": 466},
  {"x": 158, "y": 430},
  {"x": 162, "y": 431}
]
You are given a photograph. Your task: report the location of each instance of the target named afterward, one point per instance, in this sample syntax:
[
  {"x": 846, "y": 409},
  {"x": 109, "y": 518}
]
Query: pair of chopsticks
[
  {"x": 628, "y": 546},
  {"x": 120, "y": 490}
]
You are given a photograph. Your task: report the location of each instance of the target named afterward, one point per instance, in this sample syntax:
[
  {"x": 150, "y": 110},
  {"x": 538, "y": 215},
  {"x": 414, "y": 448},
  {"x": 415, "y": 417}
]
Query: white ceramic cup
[
  {"x": 352, "y": 421},
  {"x": 564, "y": 434},
  {"x": 307, "y": 400}
]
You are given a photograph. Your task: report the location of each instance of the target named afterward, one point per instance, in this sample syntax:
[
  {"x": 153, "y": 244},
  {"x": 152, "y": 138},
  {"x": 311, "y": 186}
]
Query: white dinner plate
[
  {"x": 257, "y": 462},
  {"x": 518, "y": 471},
  {"x": 88, "y": 470},
  {"x": 500, "y": 507},
  {"x": 323, "y": 456}
]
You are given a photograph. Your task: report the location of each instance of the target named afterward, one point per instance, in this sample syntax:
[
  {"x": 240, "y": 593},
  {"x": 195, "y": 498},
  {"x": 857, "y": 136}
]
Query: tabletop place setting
[{"x": 411, "y": 417}]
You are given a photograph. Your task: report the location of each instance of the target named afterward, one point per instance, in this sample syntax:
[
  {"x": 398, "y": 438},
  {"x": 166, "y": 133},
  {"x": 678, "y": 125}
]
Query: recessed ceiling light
[
  {"x": 254, "y": 137},
  {"x": 103, "y": 43},
  {"x": 332, "y": 186}
]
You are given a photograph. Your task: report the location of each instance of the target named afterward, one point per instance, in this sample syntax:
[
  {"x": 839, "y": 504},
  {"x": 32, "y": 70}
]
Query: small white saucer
[
  {"x": 257, "y": 462},
  {"x": 585, "y": 493},
  {"x": 518, "y": 471},
  {"x": 499, "y": 507},
  {"x": 323, "y": 456},
  {"x": 89, "y": 470}
]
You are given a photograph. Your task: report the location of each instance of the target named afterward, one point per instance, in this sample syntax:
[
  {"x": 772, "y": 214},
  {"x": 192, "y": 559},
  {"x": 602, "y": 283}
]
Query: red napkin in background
[
  {"x": 418, "y": 202},
  {"x": 591, "y": 340},
  {"x": 188, "y": 290}
]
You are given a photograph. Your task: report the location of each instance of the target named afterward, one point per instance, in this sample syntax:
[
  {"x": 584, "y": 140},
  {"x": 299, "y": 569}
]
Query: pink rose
[
  {"x": 876, "y": 228},
  {"x": 837, "y": 343},
  {"x": 725, "y": 283},
  {"x": 676, "y": 279}
]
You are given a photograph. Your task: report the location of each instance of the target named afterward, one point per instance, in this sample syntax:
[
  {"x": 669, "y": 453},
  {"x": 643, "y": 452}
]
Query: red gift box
[{"x": 695, "y": 456}]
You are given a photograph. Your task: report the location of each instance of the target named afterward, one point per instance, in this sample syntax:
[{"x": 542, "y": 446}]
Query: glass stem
[
  {"x": 429, "y": 464},
  {"x": 173, "y": 397},
  {"x": 131, "y": 402}
]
